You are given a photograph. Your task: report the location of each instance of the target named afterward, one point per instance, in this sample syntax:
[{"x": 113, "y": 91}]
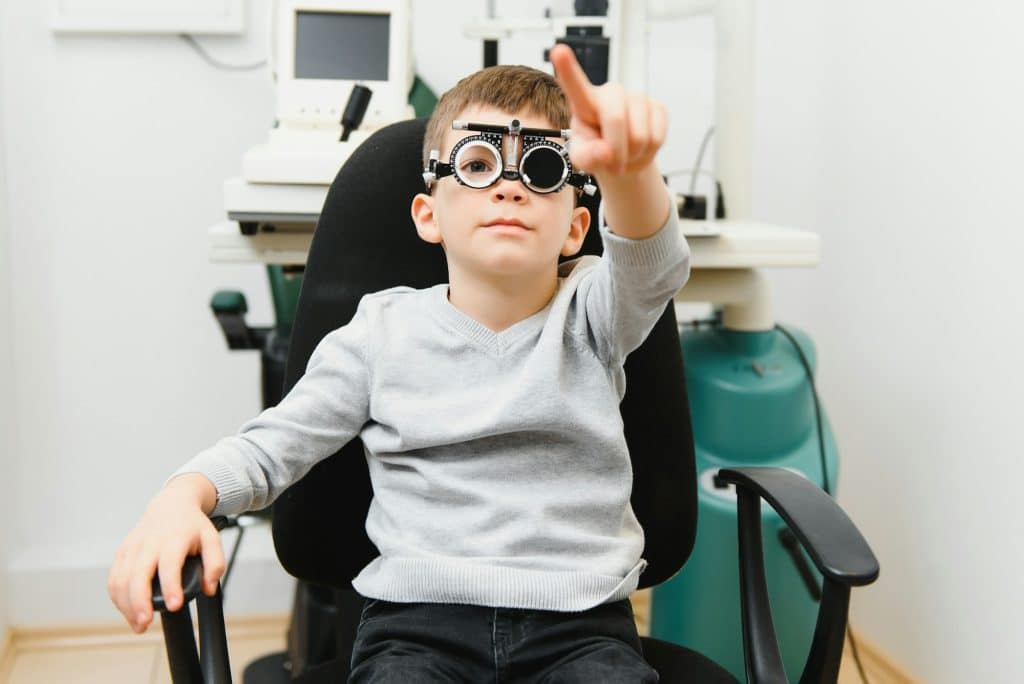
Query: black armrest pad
[
  {"x": 191, "y": 582},
  {"x": 833, "y": 542}
]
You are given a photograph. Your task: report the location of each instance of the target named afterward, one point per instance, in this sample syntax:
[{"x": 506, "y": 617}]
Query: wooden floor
[{"x": 112, "y": 653}]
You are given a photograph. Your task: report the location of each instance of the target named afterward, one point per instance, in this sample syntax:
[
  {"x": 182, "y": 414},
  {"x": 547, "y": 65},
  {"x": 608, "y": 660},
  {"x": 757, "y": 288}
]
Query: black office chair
[{"x": 365, "y": 241}]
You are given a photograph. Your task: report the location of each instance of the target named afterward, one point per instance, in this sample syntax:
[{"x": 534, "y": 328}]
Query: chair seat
[
  {"x": 678, "y": 665},
  {"x": 675, "y": 665}
]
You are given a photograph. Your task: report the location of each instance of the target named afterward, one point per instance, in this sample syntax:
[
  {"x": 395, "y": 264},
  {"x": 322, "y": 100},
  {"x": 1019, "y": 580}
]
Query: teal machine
[{"x": 753, "y": 402}]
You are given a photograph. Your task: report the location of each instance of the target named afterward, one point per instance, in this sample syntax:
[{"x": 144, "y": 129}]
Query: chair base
[{"x": 272, "y": 668}]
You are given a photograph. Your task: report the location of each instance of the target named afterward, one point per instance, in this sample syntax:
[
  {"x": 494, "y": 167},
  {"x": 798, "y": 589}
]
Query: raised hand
[
  {"x": 614, "y": 132},
  {"x": 615, "y": 136}
]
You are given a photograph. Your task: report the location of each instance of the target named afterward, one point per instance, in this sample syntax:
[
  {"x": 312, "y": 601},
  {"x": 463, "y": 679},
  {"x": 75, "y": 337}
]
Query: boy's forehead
[{"x": 480, "y": 113}]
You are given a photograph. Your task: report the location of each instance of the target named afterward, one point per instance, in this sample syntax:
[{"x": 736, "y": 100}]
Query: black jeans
[{"x": 410, "y": 643}]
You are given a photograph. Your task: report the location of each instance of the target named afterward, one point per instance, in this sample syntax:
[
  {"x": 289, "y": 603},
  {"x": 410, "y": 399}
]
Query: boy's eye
[{"x": 476, "y": 166}]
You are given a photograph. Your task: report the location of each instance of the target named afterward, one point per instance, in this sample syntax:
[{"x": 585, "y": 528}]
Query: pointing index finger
[{"x": 574, "y": 82}]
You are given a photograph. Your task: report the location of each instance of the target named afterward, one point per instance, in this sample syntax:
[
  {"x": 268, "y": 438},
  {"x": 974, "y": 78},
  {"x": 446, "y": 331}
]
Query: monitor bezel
[{"x": 318, "y": 103}]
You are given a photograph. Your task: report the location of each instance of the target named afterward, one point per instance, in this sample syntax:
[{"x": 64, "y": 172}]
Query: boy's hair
[{"x": 509, "y": 88}]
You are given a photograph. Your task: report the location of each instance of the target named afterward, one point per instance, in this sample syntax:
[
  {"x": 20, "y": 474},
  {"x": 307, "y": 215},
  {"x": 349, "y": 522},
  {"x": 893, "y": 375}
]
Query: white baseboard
[{"x": 69, "y": 586}]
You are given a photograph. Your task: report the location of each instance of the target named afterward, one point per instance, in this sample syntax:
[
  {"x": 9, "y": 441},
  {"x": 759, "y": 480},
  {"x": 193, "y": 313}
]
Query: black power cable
[
  {"x": 817, "y": 407},
  {"x": 856, "y": 654}
]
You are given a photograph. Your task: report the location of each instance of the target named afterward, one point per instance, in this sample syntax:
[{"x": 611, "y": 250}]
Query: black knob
[{"x": 355, "y": 110}]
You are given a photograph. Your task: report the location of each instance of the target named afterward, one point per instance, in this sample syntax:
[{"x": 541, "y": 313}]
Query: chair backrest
[{"x": 366, "y": 241}]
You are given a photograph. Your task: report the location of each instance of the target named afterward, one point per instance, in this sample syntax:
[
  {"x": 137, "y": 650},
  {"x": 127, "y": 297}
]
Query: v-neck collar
[{"x": 476, "y": 331}]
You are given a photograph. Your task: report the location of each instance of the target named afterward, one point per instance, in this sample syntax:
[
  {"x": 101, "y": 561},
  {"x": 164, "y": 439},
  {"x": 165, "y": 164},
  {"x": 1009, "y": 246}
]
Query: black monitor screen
[{"x": 346, "y": 46}]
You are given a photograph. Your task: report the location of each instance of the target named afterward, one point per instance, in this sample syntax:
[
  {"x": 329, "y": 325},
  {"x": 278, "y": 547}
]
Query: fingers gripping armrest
[
  {"x": 187, "y": 664},
  {"x": 191, "y": 583}
]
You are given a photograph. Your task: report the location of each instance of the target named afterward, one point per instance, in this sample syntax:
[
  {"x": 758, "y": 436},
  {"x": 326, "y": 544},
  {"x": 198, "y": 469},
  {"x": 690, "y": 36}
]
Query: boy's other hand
[
  {"x": 614, "y": 132},
  {"x": 173, "y": 527}
]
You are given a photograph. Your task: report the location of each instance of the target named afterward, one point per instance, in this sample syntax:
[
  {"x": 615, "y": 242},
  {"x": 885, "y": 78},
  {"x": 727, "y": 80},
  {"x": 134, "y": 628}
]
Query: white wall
[
  {"x": 893, "y": 129},
  {"x": 116, "y": 148},
  {"x": 892, "y": 133},
  {"x": 6, "y": 375}
]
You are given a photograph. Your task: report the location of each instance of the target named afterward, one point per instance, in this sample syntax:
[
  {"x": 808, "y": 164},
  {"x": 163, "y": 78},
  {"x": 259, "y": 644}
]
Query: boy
[{"x": 488, "y": 406}]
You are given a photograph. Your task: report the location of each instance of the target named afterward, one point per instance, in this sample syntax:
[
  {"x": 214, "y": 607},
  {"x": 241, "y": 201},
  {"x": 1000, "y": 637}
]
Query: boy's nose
[{"x": 506, "y": 189}]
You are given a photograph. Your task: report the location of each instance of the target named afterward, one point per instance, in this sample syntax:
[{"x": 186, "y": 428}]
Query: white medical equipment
[
  {"x": 726, "y": 253},
  {"x": 322, "y": 51},
  {"x": 622, "y": 27}
]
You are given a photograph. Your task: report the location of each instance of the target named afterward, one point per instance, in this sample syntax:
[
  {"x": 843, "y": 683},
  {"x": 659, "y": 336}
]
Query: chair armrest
[
  {"x": 833, "y": 542},
  {"x": 837, "y": 549},
  {"x": 191, "y": 583},
  {"x": 188, "y": 665},
  {"x": 229, "y": 308}
]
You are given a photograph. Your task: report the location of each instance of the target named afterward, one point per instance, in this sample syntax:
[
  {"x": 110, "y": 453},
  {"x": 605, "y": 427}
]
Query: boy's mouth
[{"x": 502, "y": 222}]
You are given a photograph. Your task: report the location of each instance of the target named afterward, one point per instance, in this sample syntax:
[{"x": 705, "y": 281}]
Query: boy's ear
[
  {"x": 425, "y": 219},
  {"x": 578, "y": 228}
]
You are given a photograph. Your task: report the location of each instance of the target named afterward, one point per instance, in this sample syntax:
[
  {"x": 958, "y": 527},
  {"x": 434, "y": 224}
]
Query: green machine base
[{"x": 752, "y": 404}]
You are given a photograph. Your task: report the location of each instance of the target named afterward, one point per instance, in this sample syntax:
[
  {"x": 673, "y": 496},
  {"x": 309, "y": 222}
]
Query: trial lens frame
[{"x": 512, "y": 168}]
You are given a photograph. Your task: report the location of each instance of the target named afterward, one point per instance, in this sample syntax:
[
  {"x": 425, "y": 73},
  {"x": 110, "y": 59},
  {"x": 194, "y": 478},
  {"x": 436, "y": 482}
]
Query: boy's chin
[{"x": 506, "y": 265}]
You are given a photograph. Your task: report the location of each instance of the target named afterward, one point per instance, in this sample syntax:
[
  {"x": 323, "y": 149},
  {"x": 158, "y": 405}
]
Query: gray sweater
[{"x": 500, "y": 471}]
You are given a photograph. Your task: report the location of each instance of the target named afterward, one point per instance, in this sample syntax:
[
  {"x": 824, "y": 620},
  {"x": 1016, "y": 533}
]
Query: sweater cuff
[
  {"x": 233, "y": 497},
  {"x": 664, "y": 245}
]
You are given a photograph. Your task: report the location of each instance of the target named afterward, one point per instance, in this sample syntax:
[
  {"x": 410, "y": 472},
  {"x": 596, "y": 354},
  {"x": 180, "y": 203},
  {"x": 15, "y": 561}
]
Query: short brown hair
[{"x": 509, "y": 88}]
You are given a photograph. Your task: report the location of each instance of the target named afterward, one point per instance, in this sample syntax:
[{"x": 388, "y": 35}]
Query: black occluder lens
[{"x": 544, "y": 167}]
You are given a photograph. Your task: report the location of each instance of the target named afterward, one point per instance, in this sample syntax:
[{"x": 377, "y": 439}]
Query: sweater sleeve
[
  {"x": 625, "y": 293},
  {"x": 325, "y": 409}
]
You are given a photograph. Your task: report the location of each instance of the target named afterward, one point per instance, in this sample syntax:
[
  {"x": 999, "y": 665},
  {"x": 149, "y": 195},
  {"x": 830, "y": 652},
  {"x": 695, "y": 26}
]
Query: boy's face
[{"x": 503, "y": 230}]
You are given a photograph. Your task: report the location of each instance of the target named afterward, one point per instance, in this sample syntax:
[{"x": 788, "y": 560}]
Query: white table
[{"x": 725, "y": 267}]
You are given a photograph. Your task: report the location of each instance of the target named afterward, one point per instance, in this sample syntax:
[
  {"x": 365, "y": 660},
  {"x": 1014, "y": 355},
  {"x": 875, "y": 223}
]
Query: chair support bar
[
  {"x": 827, "y": 647},
  {"x": 182, "y": 656},
  {"x": 760, "y": 645},
  {"x": 213, "y": 644}
]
